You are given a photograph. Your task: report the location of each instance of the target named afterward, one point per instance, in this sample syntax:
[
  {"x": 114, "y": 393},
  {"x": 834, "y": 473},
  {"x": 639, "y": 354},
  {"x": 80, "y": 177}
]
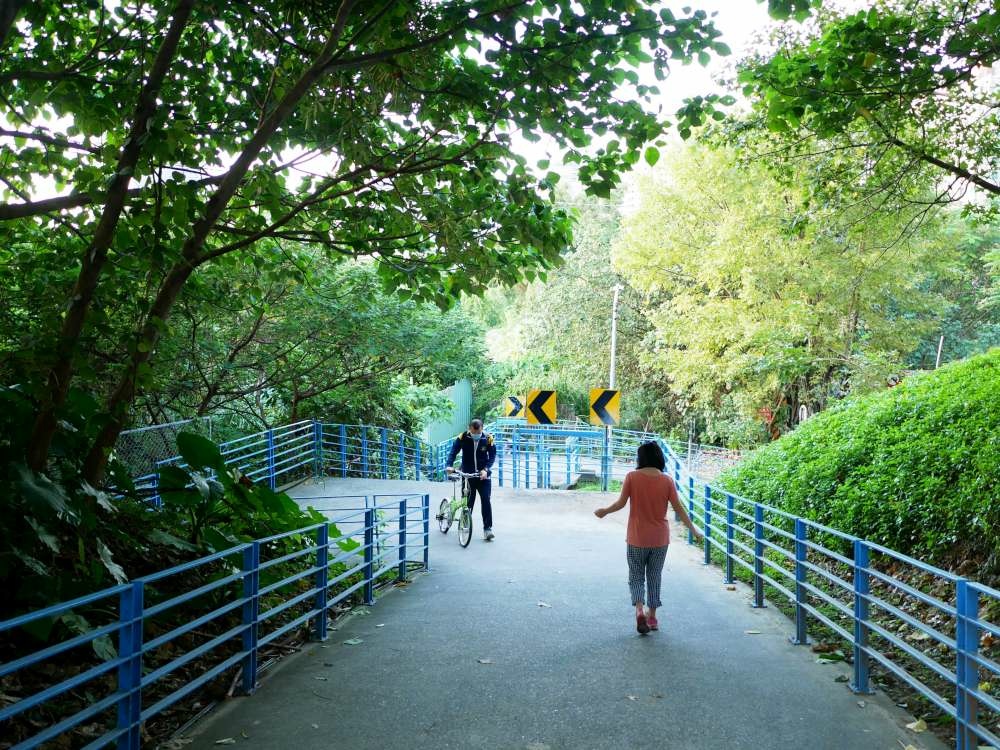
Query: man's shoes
[{"x": 488, "y": 535}]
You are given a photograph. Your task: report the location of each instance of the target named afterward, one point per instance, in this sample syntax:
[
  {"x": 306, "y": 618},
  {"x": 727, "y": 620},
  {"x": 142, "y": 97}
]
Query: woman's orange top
[{"x": 649, "y": 497}]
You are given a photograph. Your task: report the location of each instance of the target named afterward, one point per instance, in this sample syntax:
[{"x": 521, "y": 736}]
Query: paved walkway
[{"x": 529, "y": 643}]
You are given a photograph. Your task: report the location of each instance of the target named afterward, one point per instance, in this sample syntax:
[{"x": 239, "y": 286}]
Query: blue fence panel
[{"x": 279, "y": 584}]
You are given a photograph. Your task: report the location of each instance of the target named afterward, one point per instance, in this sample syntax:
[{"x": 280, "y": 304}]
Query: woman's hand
[{"x": 601, "y": 512}]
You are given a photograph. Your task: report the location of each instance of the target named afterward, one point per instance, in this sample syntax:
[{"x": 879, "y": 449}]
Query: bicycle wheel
[
  {"x": 464, "y": 527},
  {"x": 444, "y": 516}
]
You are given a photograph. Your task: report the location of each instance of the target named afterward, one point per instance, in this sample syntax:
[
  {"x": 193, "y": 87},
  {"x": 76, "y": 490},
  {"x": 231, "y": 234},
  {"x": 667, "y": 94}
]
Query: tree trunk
[
  {"x": 191, "y": 255},
  {"x": 92, "y": 264}
]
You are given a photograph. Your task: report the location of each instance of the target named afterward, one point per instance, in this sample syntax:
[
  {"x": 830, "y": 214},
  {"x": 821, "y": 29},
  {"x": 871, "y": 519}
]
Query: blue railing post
[
  {"x": 730, "y": 519},
  {"x": 155, "y": 486},
  {"x": 130, "y": 610},
  {"x": 272, "y": 481},
  {"x": 758, "y": 555},
  {"x": 322, "y": 576},
  {"x": 343, "y": 450},
  {"x": 500, "y": 458},
  {"x": 317, "y": 449},
  {"x": 690, "y": 506},
  {"x": 385, "y": 452},
  {"x": 861, "y": 672},
  {"x": 708, "y": 524},
  {"x": 402, "y": 541},
  {"x": 569, "y": 462},
  {"x": 402, "y": 456},
  {"x": 605, "y": 460},
  {"x": 251, "y": 608},
  {"x": 369, "y": 555},
  {"x": 364, "y": 451},
  {"x": 801, "y": 552},
  {"x": 416, "y": 466},
  {"x": 515, "y": 459},
  {"x": 677, "y": 483},
  {"x": 527, "y": 469},
  {"x": 967, "y": 668},
  {"x": 427, "y": 531}
]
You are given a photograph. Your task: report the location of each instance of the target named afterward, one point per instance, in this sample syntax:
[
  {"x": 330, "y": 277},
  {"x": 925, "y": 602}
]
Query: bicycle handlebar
[{"x": 456, "y": 473}]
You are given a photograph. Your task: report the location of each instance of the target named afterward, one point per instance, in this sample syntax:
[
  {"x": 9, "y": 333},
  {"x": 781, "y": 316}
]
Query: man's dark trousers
[{"x": 482, "y": 486}]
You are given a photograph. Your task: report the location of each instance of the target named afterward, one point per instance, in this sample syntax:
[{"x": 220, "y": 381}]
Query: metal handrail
[{"x": 312, "y": 565}]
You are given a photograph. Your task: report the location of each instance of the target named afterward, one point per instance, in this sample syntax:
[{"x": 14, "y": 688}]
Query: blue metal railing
[
  {"x": 881, "y": 603},
  {"x": 246, "y": 597},
  {"x": 283, "y": 455},
  {"x": 854, "y": 587}
]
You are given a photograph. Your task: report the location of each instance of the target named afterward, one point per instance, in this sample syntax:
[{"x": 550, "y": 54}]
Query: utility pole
[
  {"x": 608, "y": 446},
  {"x": 937, "y": 362},
  {"x": 614, "y": 336}
]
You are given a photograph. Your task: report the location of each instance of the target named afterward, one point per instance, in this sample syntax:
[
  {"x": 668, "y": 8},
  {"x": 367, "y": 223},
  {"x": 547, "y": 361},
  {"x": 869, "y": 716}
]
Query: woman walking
[{"x": 651, "y": 492}]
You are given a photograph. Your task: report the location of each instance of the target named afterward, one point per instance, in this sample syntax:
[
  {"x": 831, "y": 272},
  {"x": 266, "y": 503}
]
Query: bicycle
[{"x": 457, "y": 506}]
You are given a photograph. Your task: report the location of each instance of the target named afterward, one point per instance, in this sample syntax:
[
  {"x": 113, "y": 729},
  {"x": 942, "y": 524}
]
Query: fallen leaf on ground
[
  {"x": 861, "y": 704},
  {"x": 823, "y": 648},
  {"x": 537, "y": 746},
  {"x": 226, "y": 741},
  {"x": 315, "y": 726},
  {"x": 485, "y": 661},
  {"x": 543, "y": 604},
  {"x": 632, "y": 697},
  {"x": 984, "y": 687},
  {"x": 324, "y": 679},
  {"x": 841, "y": 678},
  {"x": 752, "y": 632},
  {"x": 919, "y": 635},
  {"x": 658, "y": 695},
  {"x": 244, "y": 735},
  {"x": 917, "y": 726},
  {"x": 380, "y": 625},
  {"x": 730, "y": 587},
  {"x": 353, "y": 641}
]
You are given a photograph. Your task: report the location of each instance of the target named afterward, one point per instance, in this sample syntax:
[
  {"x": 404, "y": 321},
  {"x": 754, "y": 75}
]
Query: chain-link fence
[{"x": 140, "y": 449}]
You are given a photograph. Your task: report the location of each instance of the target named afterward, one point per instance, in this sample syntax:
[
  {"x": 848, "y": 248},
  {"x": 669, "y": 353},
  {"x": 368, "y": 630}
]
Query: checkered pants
[{"x": 645, "y": 566}]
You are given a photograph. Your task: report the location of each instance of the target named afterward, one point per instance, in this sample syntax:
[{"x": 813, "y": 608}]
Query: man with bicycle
[{"x": 479, "y": 451}]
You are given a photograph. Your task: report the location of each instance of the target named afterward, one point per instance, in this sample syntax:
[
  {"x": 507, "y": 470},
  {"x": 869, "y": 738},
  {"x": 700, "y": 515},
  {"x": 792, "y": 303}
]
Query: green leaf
[
  {"x": 116, "y": 570},
  {"x": 652, "y": 155},
  {"x": 44, "y": 494},
  {"x": 199, "y": 452}
]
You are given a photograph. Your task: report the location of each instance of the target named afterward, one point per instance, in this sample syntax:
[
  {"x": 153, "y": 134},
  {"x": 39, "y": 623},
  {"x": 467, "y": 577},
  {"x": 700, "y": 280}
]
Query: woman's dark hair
[{"x": 649, "y": 454}]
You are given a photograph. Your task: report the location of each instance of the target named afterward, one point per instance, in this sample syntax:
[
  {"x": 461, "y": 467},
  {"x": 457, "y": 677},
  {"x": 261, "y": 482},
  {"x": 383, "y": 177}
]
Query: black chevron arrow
[
  {"x": 516, "y": 403},
  {"x": 535, "y": 407},
  {"x": 600, "y": 405}
]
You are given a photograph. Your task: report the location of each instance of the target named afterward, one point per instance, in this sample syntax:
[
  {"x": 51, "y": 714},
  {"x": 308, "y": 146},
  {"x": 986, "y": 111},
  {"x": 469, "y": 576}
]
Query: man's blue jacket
[{"x": 474, "y": 459}]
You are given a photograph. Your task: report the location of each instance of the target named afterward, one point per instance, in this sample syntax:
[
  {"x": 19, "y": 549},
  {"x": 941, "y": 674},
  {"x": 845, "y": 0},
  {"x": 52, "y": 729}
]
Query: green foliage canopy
[
  {"x": 184, "y": 132},
  {"x": 758, "y": 307}
]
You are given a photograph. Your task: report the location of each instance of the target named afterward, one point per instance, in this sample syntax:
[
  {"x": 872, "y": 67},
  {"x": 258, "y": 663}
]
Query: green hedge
[{"x": 916, "y": 468}]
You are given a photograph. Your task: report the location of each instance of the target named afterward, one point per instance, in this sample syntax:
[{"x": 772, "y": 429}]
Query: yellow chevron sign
[
  {"x": 605, "y": 406},
  {"x": 541, "y": 407},
  {"x": 513, "y": 406}
]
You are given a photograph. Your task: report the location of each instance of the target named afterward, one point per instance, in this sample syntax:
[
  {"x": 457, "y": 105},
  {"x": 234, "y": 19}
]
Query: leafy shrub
[{"x": 916, "y": 468}]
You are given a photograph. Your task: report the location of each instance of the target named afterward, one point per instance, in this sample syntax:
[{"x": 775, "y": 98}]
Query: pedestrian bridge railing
[
  {"x": 928, "y": 628},
  {"x": 153, "y": 641}
]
